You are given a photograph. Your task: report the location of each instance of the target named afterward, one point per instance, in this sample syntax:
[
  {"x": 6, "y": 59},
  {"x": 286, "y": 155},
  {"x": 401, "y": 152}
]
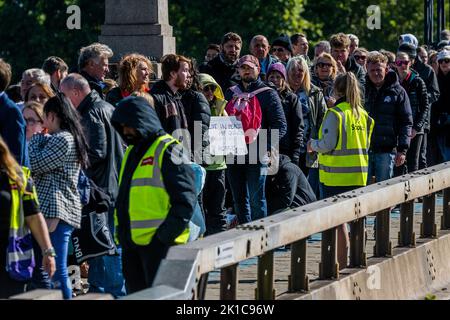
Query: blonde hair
[
  {"x": 377, "y": 57},
  {"x": 299, "y": 62},
  {"x": 37, "y": 107},
  {"x": 346, "y": 85},
  {"x": 128, "y": 71},
  {"x": 328, "y": 56},
  {"x": 10, "y": 165}
]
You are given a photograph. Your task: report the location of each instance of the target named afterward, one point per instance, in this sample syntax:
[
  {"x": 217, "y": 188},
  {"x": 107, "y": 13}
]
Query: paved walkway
[{"x": 248, "y": 269}]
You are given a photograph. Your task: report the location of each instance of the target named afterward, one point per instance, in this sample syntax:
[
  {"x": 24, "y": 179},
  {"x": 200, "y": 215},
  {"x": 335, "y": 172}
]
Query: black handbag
[{"x": 94, "y": 238}]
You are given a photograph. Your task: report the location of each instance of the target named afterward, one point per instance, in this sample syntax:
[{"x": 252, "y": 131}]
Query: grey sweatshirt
[{"x": 330, "y": 134}]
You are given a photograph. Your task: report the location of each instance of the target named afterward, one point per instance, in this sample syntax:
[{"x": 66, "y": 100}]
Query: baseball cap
[
  {"x": 444, "y": 54},
  {"x": 409, "y": 38},
  {"x": 249, "y": 60}
]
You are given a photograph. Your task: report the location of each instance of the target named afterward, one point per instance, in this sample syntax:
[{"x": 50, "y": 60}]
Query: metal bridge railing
[{"x": 183, "y": 274}]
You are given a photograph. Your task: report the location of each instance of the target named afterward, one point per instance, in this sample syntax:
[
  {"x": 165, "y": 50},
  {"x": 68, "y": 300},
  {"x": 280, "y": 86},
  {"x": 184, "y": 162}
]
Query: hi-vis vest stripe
[
  {"x": 149, "y": 202},
  {"x": 20, "y": 255},
  {"x": 347, "y": 164}
]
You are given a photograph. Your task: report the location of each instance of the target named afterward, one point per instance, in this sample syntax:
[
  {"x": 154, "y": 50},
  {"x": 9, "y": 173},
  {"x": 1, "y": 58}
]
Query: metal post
[
  {"x": 358, "y": 257},
  {"x": 445, "y": 220},
  {"x": 440, "y": 18},
  {"x": 202, "y": 285},
  {"x": 383, "y": 245},
  {"x": 329, "y": 267},
  {"x": 298, "y": 280},
  {"x": 406, "y": 236},
  {"x": 229, "y": 282},
  {"x": 428, "y": 228},
  {"x": 265, "y": 290},
  {"x": 428, "y": 21}
]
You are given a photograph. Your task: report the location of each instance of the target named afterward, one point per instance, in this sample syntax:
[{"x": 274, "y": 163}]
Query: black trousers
[
  {"x": 140, "y": 265},
  {"x": 214, "y": 201},
  {"x": 413, "y": 155},
  {"x": 423, "y": 152}
]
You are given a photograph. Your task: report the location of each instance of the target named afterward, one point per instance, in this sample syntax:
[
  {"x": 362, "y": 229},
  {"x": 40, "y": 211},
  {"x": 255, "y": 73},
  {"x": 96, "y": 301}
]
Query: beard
[
  {"x": 180, "y": 84},
  {"x": 248, "y": 79}
]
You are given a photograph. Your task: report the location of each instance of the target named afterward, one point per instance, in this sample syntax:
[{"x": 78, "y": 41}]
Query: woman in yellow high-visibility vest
[
  {"x": 19, "y": 210},
  {"x": 343, "y": 144}
]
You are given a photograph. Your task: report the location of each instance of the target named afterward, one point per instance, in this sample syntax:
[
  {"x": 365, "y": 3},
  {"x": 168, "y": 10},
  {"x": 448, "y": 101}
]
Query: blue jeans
[
  {"x": 443, "y": 148},
  {"x": 247, "y": 183},
  {"x": 105, "y": 275},
  {"x": 60, "y": 239},
  {"x": 381, "y": 165},
  {"x": 105, "y": 272},
  {"x": 197, "y": 224}
]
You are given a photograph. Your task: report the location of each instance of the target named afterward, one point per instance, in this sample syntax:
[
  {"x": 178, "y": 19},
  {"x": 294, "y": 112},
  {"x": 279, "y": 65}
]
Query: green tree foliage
[
  {"x": 397, "y": 17},
  {"x": 31, "y": 30},
  {"x": 197, "y": 23}
]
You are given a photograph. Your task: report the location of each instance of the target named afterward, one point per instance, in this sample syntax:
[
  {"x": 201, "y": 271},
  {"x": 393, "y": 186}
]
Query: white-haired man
[{"x": 93, "y": 65}]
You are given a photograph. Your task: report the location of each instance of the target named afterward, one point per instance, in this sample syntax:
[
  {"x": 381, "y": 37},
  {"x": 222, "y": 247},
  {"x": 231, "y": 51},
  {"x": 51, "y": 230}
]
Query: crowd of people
[{"x": 343, "y": 117}]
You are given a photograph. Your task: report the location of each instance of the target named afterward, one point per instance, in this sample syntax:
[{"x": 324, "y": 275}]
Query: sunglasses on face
[
  {"x": 209, "y": 88},
  {"x": 401, "y": 63},
  {"x": 446, "y": 60},
  {"x": 277, "y": 49},
  {"x": 323, "y": 65},
  {"x": 360, "y": 57}
]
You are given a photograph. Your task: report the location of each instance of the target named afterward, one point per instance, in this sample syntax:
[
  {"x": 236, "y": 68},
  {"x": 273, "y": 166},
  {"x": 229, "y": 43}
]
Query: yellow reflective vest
[
  {"x": 347, "y": 164},
  {"x": 17, "y": 222},
  {"x": 149, "y": 202}
]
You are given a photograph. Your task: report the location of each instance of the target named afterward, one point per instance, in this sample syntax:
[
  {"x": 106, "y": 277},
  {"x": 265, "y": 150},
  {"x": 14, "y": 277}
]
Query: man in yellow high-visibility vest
[{"x": 156, "y": 192}]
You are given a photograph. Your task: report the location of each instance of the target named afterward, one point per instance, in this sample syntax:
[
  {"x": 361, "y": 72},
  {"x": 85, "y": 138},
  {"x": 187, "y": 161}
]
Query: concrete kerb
[{"x": 411, "y": 273}]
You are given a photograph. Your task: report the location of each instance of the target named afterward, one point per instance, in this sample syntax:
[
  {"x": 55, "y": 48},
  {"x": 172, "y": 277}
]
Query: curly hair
[{"x": 128, "y": 71}]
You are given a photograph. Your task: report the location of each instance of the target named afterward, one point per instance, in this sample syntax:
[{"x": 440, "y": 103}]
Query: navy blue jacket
[
  {"x": 271, "y": 109},
  {"x": 12, "y": 129},
  {"x": 390, "y": 108}
]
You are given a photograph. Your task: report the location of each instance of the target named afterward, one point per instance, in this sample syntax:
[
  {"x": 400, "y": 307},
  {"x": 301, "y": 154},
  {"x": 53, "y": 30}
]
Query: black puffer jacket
[
  {"x": 418, "y": 98},
  {"x": 179, "y": 180},
  {"x": 352, "y": 66},
  {"x": 289, "y": 188},
  {"x": 114, "y": 96},
  {"x": 293, "y": 140},
  {"x": 197, "y": 109},
  {"x": 271, "y": 108},
  {"x": 169, "y": 107},
  {"x": 442, "y": 107},
  {"x": 106, "y": 147},
  {"x": 427, "y": 74},
  {"x": 225, "y": 74},
  {"x": 390, "y": 108},
  {"x": 94, "y": 84}
]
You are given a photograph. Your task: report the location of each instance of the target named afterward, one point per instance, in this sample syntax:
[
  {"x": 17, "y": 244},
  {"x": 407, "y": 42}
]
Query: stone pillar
[{"x": 140, "y": 26}]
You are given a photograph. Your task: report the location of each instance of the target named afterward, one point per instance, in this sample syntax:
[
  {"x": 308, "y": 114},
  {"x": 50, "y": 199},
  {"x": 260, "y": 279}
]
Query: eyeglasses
[
  {"x": 401, "y": 63},
  {"x": 323, "y": 65},
  {"x": 211, "y": 88},
  {"x": 279, "y": 49},
  {"x": 446, "y": 60},
  {"x": 32, "y": 122},
  {"x": 360, "y": 57}
]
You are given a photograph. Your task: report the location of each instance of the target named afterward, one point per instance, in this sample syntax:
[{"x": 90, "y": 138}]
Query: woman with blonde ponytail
[
  {"x": 343, "y": 147},
  {"x": 17, "y": 190}
]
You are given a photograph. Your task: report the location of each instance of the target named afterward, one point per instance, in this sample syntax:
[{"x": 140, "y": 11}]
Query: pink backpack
[{"x": 246, "y": 108}]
